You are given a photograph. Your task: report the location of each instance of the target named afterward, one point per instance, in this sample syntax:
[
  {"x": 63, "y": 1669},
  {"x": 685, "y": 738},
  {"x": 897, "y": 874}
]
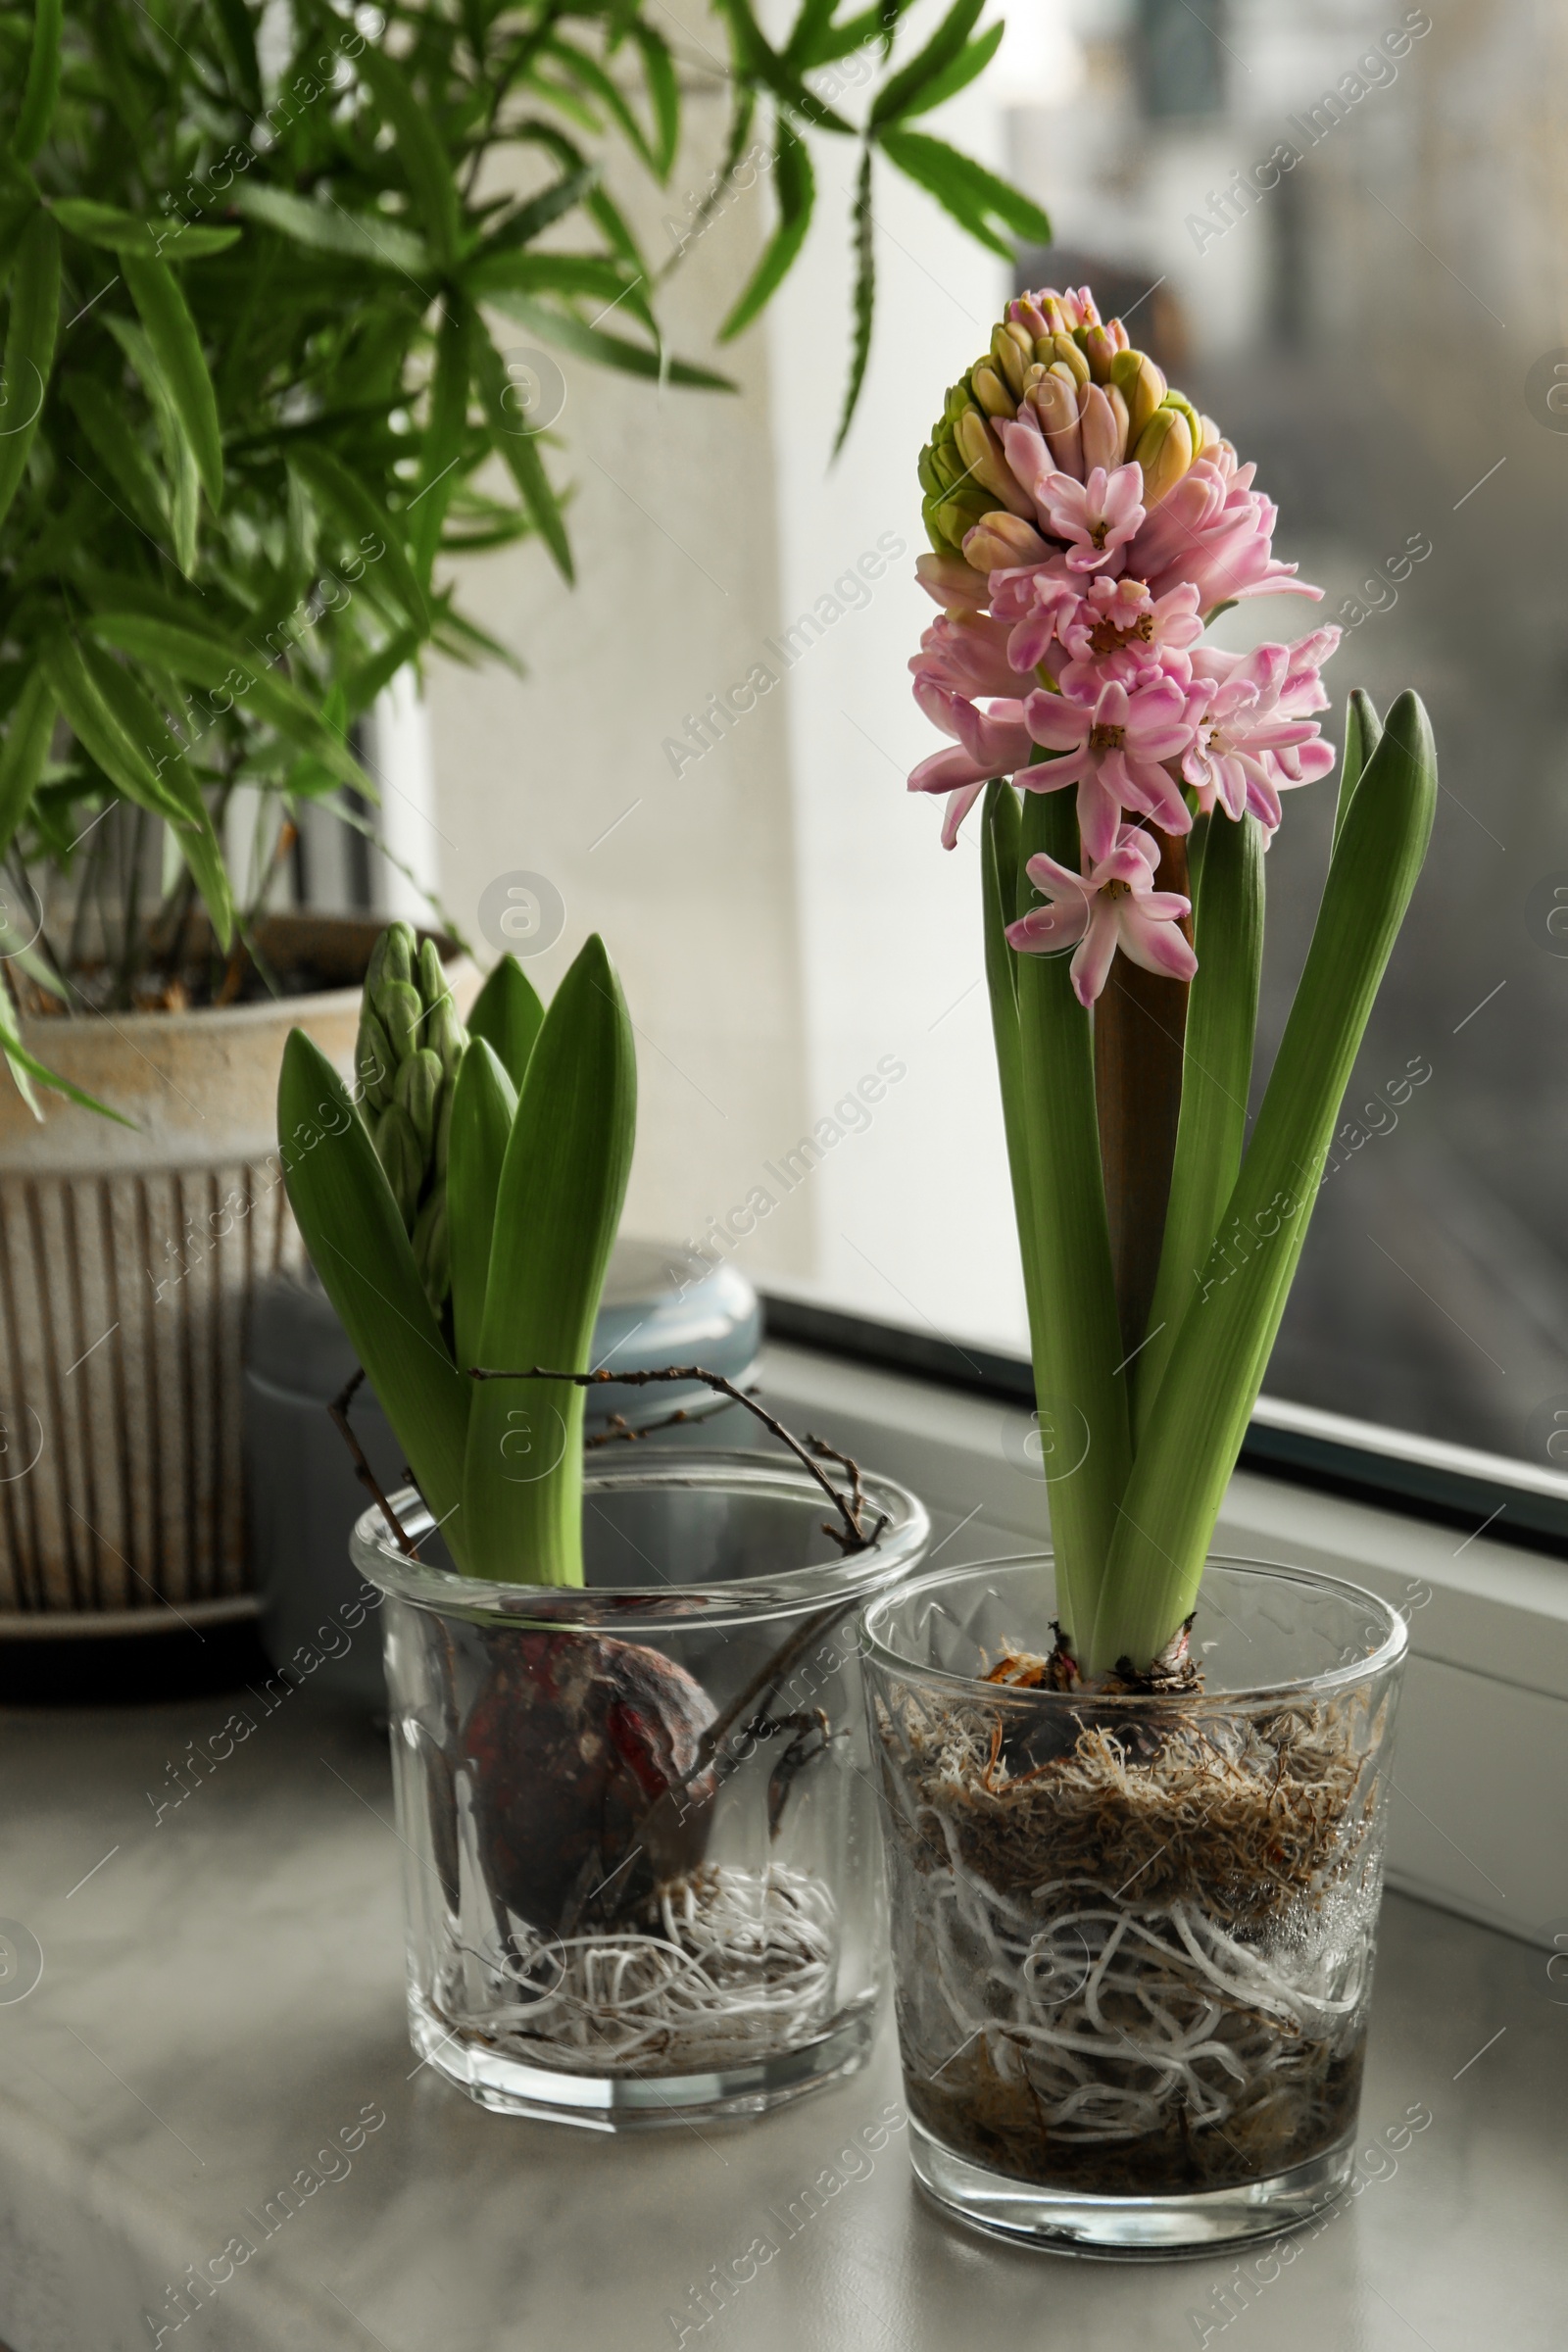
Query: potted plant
[
  {"x": 261, "y": 275},
  {"x": 1136, "y": 1794},
  {"x": 632, "y": 1780}
]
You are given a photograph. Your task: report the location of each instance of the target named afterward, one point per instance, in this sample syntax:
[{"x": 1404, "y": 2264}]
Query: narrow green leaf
[
  {"x": 484, "y": 1103},
  {"x": 898, "y": 95},
  {"x": 864, "y": 299},
  {"x": 219, "y": 665},
  {"x": 1082, "y": 1404},
  {"x": 508, "y": 1014},
  {"x": 444, "y": 431},
  {"x": 140, "y": 722},
  {"x": 530, "y": 220},
  {"x": 26, "y": 1068},
  {"x": 993, "y": 213},
  {"x": 811, "y": 27},
  {"x": 1216, "y": 1072},
  {"x": 354, "y": 1231},
  {"x": 520, "y": 455},
  {"x": 562, "y": 1187},
  {"x": 239, "y": 37},
  {"x": 361, "y": 512},
  {"x": 361, "y": 686},
  {"x": 179, "y": 501},
  {"x": 327, "y": 227},
  {"x": 795, "y": 186},
  {"x": 607, "y": 351},
  {"x": 1363, "y": 732},
  {"x": 664, "y": 96},
  {"x": 1000, "y": 866},
  {"x": 1216, "y": 1369},
  {"x": 969, "y": 66},
  {"x": 102, "y": 418},
  {"x": 761, "y": 63},
  {"x": 172, "y": 333},
  {"x": 107, "y": 227},
  {"x": 877, "y": 23},
  {"x": 126, "y": 760},
  {"x": 591, "y": 77},
  {"x": 24, "y": 751},
  {"x": 29, "y": 347},
  {"x": 420, "y": 151},
  {"x": 42, "y": 87}
]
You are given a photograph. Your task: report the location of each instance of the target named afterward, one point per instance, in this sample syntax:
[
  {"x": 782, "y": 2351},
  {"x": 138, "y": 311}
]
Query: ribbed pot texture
[{"x": 126, "y": 1262}]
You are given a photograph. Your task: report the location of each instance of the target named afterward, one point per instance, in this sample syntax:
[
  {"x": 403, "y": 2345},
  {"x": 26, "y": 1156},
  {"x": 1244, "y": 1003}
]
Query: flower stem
[{"x": 1184, "y": 1466}]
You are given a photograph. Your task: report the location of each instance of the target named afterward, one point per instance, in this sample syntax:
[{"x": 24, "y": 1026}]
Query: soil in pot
[{"x": 1138, "y": 1965}]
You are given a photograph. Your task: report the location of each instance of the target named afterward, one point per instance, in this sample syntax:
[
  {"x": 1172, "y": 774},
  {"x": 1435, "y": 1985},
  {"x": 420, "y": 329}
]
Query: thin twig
[
  {"x": 339, "y": 1412},
  {"x": 849, "y": 1511}
]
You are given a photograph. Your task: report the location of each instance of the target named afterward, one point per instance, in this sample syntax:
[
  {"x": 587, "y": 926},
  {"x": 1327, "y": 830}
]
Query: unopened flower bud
[
  {"x": 1142, "y": 387},
  {"x": 999, "y": 542},
  {"x": 994, "y": 397},
  {"x": 1104, "y": 433},
  {"x": 948, "y": 578},
  {"x": 1164, "y": 451},
  {"x": 419, "y": 1095},
  {"x": 1068, "y": 354},
  {"x": 1055, "y": 400},
  {"x": 1100, "y": 350},
  {"x": 373, "y": 1065},
  {"x": 397, "y": 1148},
  {"x": 986, "y": 466},
  {"x": 1011, "y": 349},
  {"x": 1194, "y": 423},
  {"x": 400, "y": 1008},
  {"x": 391, "y": 958}
]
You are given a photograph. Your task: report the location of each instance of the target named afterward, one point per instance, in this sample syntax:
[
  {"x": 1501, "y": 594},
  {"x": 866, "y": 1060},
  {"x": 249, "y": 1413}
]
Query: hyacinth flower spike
[{"x": 1076, "y": 608}]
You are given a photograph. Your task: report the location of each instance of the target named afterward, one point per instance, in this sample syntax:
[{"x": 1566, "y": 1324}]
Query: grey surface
[{"x": 223, "y": 1994}]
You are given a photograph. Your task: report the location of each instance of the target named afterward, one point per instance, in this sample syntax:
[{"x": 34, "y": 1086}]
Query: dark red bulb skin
[{"x": 580, "y": 1751}]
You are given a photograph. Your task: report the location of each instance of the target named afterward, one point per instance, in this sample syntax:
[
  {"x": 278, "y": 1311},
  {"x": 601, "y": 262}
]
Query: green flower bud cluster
[
  {"x": 1074, "y": 370},
  {"x": 411, "y": 1041}
]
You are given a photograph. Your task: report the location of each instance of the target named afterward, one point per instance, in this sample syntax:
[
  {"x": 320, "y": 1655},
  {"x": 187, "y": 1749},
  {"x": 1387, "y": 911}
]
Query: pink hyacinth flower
[
  {"x": 969, "y": 652},
  {"x": 1215, "y": 532},
  {"x": 1114, "y": 749},
  {"x": 1034, "y": 603},
  {"x": 953, "y": 584},
  {"x": 989, "y": 744},
  {"x": 1115, "y": 904},
  {"x": 1253, "y": 738},
  {"x": 1097, "y": 518},
  {"x": 1119, "y": 631}
]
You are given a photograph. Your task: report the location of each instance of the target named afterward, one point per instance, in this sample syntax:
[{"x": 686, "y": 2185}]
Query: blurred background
[{"x": 1377, "y": 323}]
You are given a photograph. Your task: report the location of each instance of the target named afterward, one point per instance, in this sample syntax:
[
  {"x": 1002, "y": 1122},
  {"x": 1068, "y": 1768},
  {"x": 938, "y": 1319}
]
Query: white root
[
  {"x": 1116, "y": 2017},
  {"x": 746, "y": 1966}
]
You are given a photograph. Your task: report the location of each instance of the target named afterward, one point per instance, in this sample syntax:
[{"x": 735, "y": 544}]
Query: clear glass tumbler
[
  {"x": 1133, "y": 1937},
  {"x": 642, "y": 1878}
]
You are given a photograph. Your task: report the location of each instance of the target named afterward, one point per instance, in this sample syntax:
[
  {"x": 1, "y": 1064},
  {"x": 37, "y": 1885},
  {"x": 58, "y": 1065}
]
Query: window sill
[{"x": 1480, "y": 1818}]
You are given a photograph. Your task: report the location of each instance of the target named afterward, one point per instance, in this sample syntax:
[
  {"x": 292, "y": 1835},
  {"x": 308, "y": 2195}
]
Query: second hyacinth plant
[{"x": 1087, "y": 526}]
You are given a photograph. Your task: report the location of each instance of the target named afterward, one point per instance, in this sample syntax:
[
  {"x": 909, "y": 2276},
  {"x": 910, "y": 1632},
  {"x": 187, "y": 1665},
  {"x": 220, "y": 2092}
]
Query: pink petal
[
  {"x": 958, "y": 808},
  {"x": 1158, "y": 946},
  {"x": 946, "y": 770},
  {"x": 1092, "y": 963}
]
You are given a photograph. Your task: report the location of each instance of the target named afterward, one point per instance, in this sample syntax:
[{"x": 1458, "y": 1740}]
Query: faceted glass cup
[
  {"x": 1133, "y": 1935},
  {"x": 642, "y": 1878}
]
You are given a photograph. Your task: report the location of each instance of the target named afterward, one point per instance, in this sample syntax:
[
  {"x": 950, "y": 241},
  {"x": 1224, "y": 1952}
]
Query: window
[{"x": 1373, "y": 323}]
